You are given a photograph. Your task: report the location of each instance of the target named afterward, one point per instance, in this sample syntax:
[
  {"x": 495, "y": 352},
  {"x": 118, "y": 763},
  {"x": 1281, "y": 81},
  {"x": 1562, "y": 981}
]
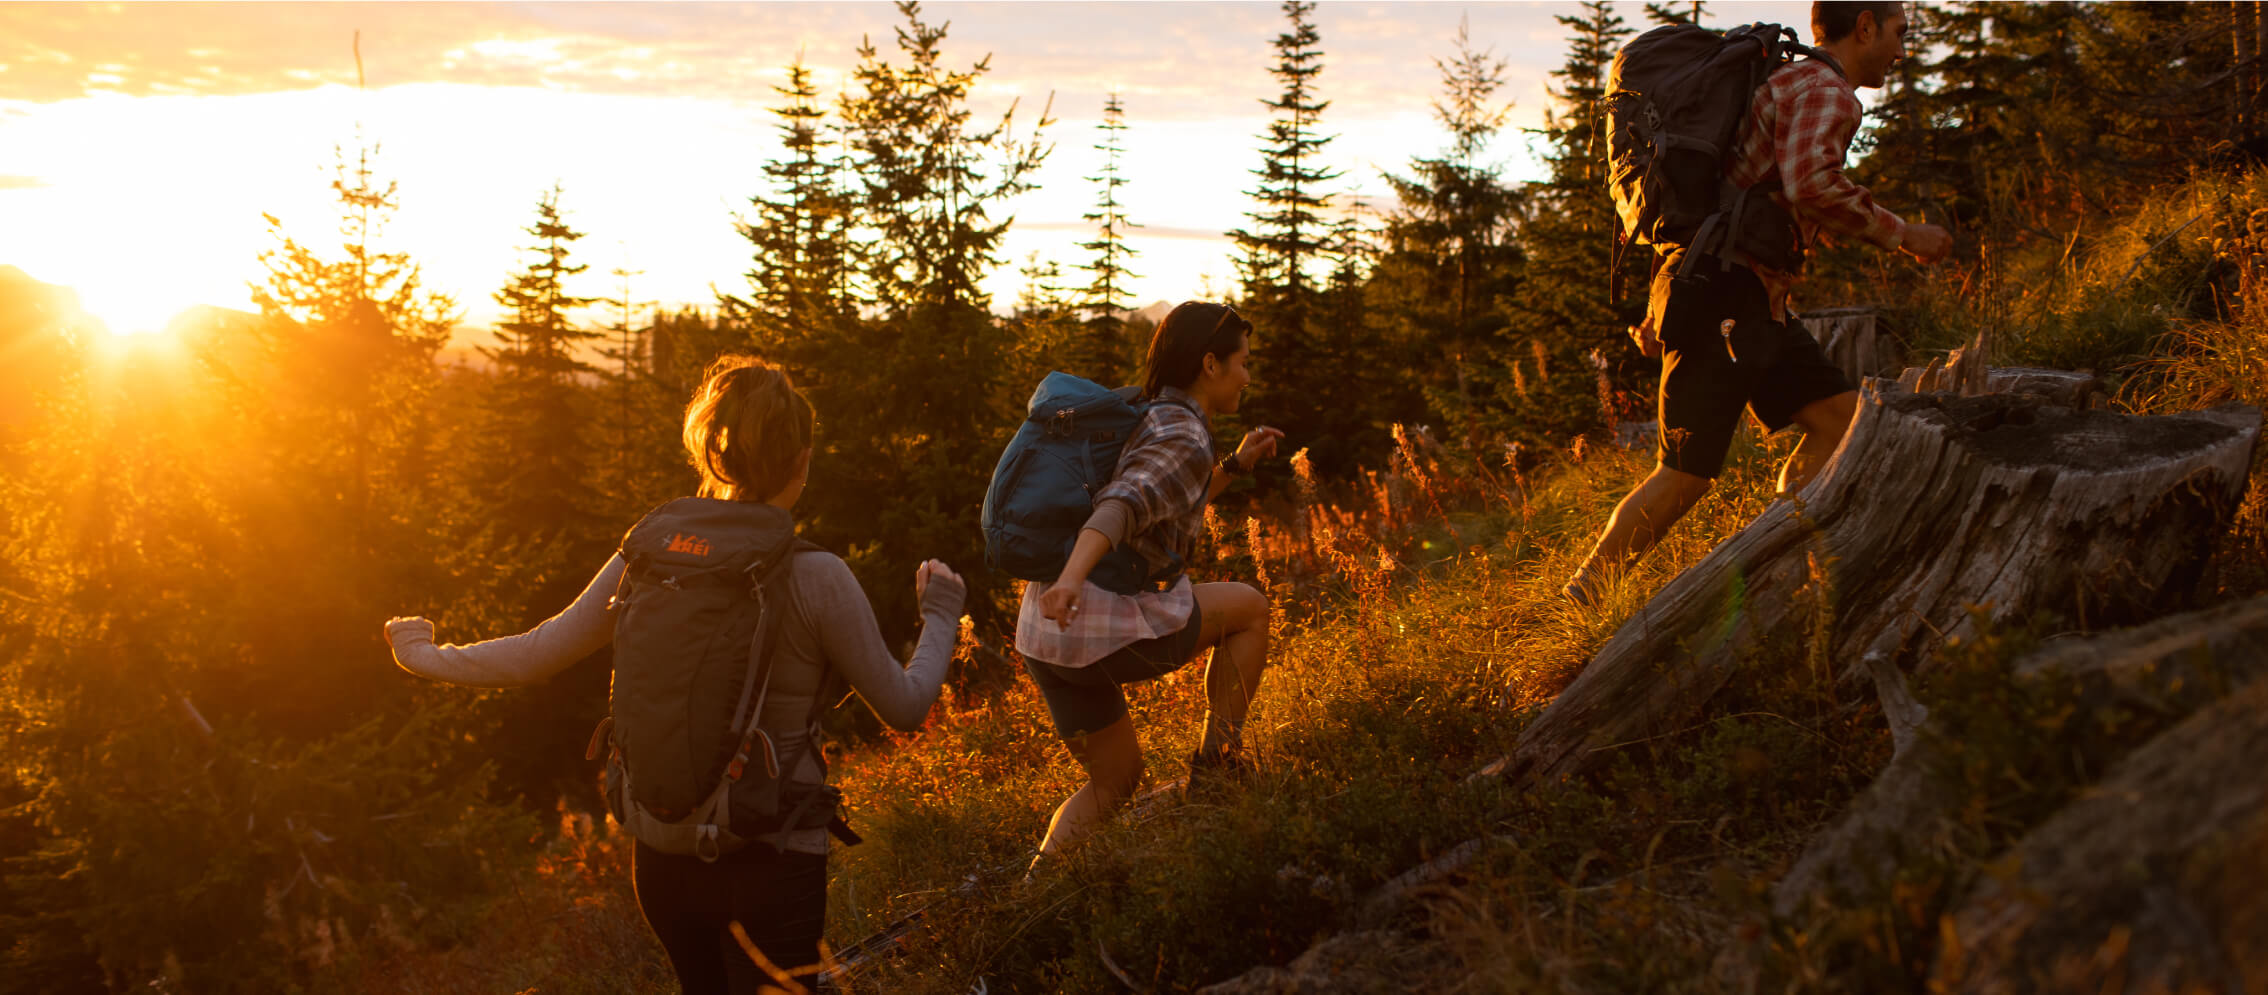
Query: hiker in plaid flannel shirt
[
  {"x": 1080, "y": 642},
  {"x": 1724, "y": 336}
]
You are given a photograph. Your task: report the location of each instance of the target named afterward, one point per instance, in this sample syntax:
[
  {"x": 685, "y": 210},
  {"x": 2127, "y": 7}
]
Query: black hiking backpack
[
  {"x": 705, "y": 595},
  {"x": 1675, "y": 100}
]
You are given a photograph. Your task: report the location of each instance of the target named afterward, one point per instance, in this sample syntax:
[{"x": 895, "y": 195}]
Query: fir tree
[
  {"x": 1104, "y": 347},
  {"x": 625, "y": 355},
  {"x": 1448, "y": 249},
  {"x": 1047, "y": 333},
  {"x": 539, "y": 339},
  {"x": 1576, "y": 125},
  {"x": 641, "y": 412},
  {"x": 351, "y": 338},
  {"x": 800, "y": 271},
  {"x": 929, "y": 180},
  {"x": 373, "y": 298},
  {"x": 1690, "y": 12},
  {"x": 538, "y": 474},
  {"x": 1319, "y": 378},
  {"x": 1289, "y": 230},
  {"x": 535, "y": 469},
  {"x": 1562, "y": 333},
  {"x": 908, "y": 391}
]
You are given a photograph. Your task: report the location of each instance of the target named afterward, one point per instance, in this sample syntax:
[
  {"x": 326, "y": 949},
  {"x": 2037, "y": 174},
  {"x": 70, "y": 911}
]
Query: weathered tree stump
[
  {"x": 1856, "y": 340},
  {"x": 2170, "y": 667},
  {"x": 2149, "y": 883},
  {"x": 1934, "y": 504},
  {"x": 2065, "y": 388}
]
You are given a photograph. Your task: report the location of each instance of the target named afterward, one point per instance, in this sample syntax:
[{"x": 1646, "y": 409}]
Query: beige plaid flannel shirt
[{"x": 1155, "y": 506}]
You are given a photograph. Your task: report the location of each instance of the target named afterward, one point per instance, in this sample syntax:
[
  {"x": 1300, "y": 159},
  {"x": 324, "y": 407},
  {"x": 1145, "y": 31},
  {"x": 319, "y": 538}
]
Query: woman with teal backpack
[
  {"x": 1080, "y": 642},
  {"x": 726, "y": 632}
]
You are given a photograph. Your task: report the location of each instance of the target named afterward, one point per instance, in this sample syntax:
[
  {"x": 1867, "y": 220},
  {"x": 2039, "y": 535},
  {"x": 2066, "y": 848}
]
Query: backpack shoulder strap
[
  {"x": 773, "y": 587},
  {"x": 831, "y": 685}
]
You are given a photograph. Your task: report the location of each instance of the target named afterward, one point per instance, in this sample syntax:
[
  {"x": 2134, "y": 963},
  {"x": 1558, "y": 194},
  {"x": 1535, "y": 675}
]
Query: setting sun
[{"x": 124, "y": 309}]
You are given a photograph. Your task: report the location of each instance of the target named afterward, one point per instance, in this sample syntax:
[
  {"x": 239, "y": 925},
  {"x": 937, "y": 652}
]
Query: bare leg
[
  {"x": 1236, "y": 628},
  {"x": 1823, "y": 422},
  {"x": 1643, "y": 517},
  {"x": 1113, "y": 760}
]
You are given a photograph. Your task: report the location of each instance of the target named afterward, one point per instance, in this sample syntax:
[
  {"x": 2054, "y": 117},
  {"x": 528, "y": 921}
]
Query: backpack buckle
[{"x": 1062, "y": 422}]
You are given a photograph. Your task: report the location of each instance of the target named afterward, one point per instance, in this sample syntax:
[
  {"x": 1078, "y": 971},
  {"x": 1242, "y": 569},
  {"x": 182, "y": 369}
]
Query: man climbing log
[{"x": 1719, "y": 300}]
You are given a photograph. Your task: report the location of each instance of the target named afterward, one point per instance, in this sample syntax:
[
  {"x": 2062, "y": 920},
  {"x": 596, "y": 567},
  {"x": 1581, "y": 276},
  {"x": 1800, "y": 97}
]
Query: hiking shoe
[
  {"x": 1208, "y": 770},
  {"x": 1579, "y": 592}
]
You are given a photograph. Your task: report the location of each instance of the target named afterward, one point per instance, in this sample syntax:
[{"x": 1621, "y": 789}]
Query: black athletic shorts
[
  {"x": 1086, "y": 699},
  {"x": 1781, "y": 368}
]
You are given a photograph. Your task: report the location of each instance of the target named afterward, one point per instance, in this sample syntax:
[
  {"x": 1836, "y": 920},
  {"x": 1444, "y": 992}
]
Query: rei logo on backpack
[
  {"x": 705, "y": 595},
  {"x": 1044, "y": 486},
  {"x": 1675, "y": 100}
]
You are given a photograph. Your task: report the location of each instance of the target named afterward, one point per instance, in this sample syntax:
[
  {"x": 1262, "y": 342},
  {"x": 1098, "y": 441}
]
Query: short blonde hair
[{"x": 745, "y": 427}]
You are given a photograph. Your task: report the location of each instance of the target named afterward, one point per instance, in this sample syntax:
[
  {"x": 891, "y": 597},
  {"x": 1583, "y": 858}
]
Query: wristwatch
[{"x": 1229, "y": 466}]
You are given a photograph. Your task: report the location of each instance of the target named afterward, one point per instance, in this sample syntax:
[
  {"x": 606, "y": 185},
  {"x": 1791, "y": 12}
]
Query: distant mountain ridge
[
  {"x": 1154, "y": 313},
  {"x": 30, "y": 306},
  {"x": 34, "y": 315}
]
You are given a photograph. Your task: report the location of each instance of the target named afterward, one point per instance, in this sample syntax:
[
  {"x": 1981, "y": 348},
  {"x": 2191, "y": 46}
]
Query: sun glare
[
  {"x": 132, "y": 317},
  {"x": 135, "y": 304}
]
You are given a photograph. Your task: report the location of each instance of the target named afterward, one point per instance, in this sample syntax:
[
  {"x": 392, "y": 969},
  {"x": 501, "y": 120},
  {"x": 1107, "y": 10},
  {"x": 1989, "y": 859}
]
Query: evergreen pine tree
[
  {"x": 1104, "y": 351},
  {"x": 1289, "y": 230},
  {"x": 1448, "y": 250},
  {"x": 641, "y": 413},
  {"x": 350, "y": 338},
  {"x": 625, "y": 357},
  {"x": 1319, "y": 376},
  {"x": 1046, "y": 333},
  {"x": 926, "y": 188},
  {"x": 1564, "y": 366},
  {"x": 538, "y": 473},
  {"x": 1677, "y": 12},
  {"x": 803, "y": 257},
  {"x": 908, "y": 394}
]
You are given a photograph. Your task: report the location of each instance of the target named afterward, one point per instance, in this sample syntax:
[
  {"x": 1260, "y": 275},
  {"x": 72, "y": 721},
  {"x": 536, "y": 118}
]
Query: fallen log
[
  {"x": 1934, "y": 504},
  {"x": 2167, "y": 669},
  {"x": 2149, "y": 883}
]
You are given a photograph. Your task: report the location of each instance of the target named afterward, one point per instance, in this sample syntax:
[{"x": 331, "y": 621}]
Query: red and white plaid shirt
[
  {"x": 1161, "y": 483},
  {"x": 1798, "y": 130}
]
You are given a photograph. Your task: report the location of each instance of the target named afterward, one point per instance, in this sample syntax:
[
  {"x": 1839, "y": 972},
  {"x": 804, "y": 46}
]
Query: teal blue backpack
[{"x": 1044, "y": 486}]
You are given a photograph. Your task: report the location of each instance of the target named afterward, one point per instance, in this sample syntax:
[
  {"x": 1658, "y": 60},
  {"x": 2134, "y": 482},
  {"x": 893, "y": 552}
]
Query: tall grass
[
  {"x": 1418, "y": 628},
  {"x": 1425, "y": 626}
]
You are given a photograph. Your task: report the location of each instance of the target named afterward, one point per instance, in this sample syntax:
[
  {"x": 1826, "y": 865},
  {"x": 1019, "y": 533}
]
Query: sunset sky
[{"x": 140, "y": 144}]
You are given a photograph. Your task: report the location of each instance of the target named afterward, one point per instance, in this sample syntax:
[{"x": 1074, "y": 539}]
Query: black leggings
[{"x": 780, "y": 899}]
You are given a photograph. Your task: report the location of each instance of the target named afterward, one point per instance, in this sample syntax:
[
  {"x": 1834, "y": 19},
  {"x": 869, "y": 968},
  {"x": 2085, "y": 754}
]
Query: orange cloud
[
  {"x": 1171, "y": 60},
  {"x": 56, "y": 52}
]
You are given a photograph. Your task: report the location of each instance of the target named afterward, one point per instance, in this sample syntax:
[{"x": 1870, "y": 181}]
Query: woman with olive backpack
[{"x": 730, "y": 638}]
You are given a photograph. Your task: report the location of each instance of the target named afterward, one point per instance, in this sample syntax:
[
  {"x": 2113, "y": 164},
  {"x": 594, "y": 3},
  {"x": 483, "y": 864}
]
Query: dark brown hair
[
  {"x": 745, "y": 427},
  {"x": 1190, "y": 332},
  {"x": 1834, "y": 20}
]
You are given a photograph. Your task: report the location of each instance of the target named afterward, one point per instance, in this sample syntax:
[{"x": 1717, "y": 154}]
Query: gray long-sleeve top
[{"x": 833, "y": 627}]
